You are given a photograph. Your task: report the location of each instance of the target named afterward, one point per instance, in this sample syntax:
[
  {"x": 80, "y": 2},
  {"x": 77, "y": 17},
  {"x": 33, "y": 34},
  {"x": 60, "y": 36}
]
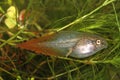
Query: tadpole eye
[{"x": 98, "y": 42}]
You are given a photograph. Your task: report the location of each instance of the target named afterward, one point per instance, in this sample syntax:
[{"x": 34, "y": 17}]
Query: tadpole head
[
  {"x": 98, "y": 42},
  {"x": 88, "y": 45}
]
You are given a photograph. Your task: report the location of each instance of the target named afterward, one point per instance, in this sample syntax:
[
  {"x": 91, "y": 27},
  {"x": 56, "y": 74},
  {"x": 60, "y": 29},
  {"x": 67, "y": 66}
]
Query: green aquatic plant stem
[
  {"x": 91, "y": 61},
  {"x": 2, "y": 69},
  {"x": 106, "y": 2},
  {"x": 116, "y": 16},
  {"x": 58, "y": 75},
  {"x": 118, "y": 25},
  {"x": 12, "y": 37}
]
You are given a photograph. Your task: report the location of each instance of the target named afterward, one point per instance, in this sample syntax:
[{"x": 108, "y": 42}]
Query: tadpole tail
[
  {"x": 34, "y": 45},
  {"x": 30, "y": 45}
]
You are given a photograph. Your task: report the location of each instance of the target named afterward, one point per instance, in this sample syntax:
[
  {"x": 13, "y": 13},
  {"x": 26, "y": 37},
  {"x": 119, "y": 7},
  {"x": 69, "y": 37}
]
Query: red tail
[{"x": 37, "y": 46}]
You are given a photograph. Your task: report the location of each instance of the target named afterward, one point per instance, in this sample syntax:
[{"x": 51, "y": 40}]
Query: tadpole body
[{"x": 66, "y": 43}]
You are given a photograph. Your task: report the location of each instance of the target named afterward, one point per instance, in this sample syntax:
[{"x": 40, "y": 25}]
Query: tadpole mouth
[{"x": 105, "y": 44}]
